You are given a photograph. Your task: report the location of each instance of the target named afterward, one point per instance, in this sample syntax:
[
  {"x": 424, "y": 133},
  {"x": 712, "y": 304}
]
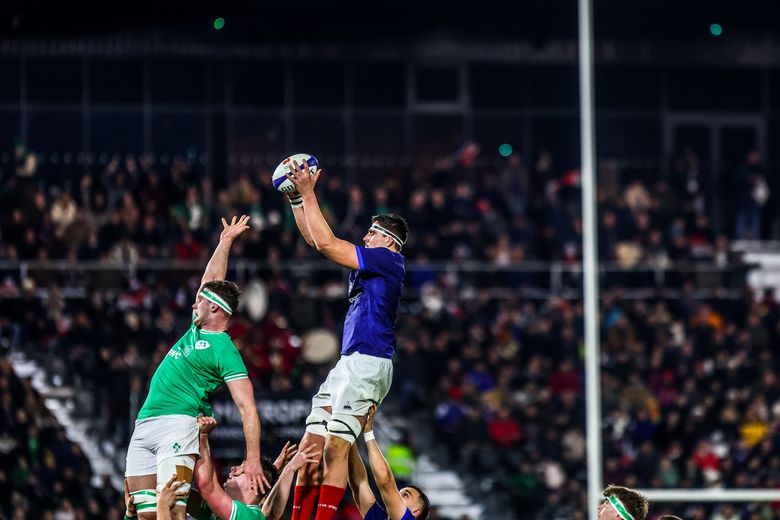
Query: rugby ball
[{"x": 280, "y": 180}]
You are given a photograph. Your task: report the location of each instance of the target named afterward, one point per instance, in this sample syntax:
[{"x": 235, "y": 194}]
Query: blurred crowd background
[{"x": 113, "y": 180}]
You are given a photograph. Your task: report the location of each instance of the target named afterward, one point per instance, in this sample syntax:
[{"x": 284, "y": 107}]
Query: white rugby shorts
[
  {"x": 158, "y": 438},
  {"x": 354, "y": 384}
]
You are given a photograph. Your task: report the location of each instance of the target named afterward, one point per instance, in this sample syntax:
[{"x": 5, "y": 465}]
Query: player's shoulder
[
  {"x": 209, "y": 339},
  {"x": 242, "y": 511},
  {"x": 376, "y": 512}
]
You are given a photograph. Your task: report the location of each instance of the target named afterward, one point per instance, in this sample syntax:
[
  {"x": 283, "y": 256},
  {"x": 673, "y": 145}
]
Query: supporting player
[
  {"x": 165, "y": 440},
  {"x": 363, "y": 375},
  {"x": 623, "y": 503},
  {"x": 408, "y": 503},
  {"x": 236, "y": 501}
]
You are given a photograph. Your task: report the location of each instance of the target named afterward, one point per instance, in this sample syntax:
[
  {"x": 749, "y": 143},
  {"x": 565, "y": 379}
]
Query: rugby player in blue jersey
[
  {"x": 363, "y": 375},
  {"x": 408, "y": 503}
]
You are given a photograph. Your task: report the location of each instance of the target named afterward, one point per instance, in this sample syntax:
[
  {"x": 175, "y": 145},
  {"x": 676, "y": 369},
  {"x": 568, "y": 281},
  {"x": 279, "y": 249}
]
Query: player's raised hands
[
  {"x": 370, "y": 419},
  {"x": 206, "y": 424},
  {"x": 254, "y": 473},
  {"x": 168, "y": 495},
  {"x": 235, "y": 228},
  {"x": 302, "y": 178},
  {"x": 305, "y": 456},
  {"x": 287, "y": 453}
]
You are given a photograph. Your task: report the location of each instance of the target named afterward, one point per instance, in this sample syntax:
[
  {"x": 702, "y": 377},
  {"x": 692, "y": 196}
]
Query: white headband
[
  {"x": 387, "y": 233},
  {"x": 214, "y": 298},
  {"x": 618, "y": 506}
]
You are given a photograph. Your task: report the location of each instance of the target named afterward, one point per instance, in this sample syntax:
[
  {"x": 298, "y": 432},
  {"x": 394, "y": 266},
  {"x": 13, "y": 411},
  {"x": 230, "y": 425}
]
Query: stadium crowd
[{"x": 690, "y": 393}]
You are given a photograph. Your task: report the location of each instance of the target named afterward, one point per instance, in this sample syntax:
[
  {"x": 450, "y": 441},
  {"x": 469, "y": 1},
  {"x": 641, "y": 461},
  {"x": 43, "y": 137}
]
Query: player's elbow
[{"x": 323, "y": 245}]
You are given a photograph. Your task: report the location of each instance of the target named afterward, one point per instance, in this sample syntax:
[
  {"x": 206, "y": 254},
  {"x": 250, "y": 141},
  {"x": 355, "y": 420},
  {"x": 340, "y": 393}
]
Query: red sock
[
  {"x": 304, "y": 500},
  {"x": 330, "y": 498}
]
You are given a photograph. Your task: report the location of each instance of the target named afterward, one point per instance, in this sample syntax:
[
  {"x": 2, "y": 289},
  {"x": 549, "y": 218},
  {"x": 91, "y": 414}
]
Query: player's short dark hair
[
  {"x": 669, "y": 517},
  {"x": 634, "y": 501},
  {"x": 394, "y": 223},
  {"x": 226, "y": 290},
  {"x": 425, "y": 504}
]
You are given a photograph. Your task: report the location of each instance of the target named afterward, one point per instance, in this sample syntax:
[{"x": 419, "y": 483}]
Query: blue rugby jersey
[
  {"x": 377, "y": 512},
  {"x": 375, "y": 292}
]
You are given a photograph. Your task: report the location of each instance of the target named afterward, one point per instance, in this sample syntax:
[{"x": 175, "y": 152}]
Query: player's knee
[
  {"x": 345, "y": 427},
  {"x": 317, "y": 422}
]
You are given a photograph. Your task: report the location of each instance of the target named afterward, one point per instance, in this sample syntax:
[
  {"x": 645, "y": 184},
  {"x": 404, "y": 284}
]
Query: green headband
[
  {"x": 214, "y": 298},
  {"x": 620, "y": 508}
]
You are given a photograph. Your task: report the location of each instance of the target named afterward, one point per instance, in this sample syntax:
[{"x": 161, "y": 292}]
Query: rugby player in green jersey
[
  {"x": 235, "y": 501},
  {"x": 165, "y": 439}
]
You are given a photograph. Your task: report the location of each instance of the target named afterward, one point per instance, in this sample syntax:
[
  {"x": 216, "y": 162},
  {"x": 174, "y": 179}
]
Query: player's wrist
[
  {"x": 368, "y": 435},
  {"x": 296, "y": 200}
]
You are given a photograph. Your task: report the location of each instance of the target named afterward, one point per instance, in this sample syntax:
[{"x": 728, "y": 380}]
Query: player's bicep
[
  {"x": 394, "y": 502},
  {"x": 242, "y": 392},
  {"x": 343, "y": 253}
]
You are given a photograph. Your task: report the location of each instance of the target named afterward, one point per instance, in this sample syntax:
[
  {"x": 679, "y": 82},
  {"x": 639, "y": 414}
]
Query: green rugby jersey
[
  {"x": 199, "y": 363},
  {"x": 240, "y": 512}
]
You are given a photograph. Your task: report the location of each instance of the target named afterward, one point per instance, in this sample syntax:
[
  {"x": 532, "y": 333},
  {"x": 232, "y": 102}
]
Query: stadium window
[
  {"x": 498, "y": 85},
  {"x": 258, "y": 83},
  {"x": 627, "y": 86},
  {"x": 9, "y": 87},
  {"x": 437, "y": 135},
  {"x": 738, "y": 88},
  {"x": 112, "y": 132},
  {"x": 321, "y": 135},
  {"x": 178, "y": 133},
  {"x": 253, "y": 134},
  {"x": 493, "y": 131},
  {"x": 66, "y": 88},
  {"x": 554, "y": 86},
  {"x": 436, "y": 84},
  {"x": 179, "y": 81},
  {"x": 379, "y": 135},
  {"x": 54, "y": 131},
  {"x": 116, "y": 81},
  {"x": 9, "y": 129},
  {"x": 379, "y": 84},
  {"x": 318, "y": 84}
]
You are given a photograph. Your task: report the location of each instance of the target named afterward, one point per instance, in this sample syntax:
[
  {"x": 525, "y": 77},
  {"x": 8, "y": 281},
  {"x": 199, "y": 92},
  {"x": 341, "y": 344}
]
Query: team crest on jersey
[{"x": 202, "y": 344}]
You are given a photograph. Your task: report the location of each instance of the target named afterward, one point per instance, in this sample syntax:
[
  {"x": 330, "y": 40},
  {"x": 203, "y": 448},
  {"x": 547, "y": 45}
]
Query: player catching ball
[
  {"x": 165, "y": 439},
  {"x": 363, "y": 375}
]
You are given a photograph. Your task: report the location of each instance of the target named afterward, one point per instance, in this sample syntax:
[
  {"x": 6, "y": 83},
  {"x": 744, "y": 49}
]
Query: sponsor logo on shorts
[
  {"x": 348, "y": 406},
  {"x": 176, "y": 447}
]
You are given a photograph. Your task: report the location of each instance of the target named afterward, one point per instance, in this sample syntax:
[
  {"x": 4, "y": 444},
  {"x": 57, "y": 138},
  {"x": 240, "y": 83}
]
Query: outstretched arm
[
  {"x": 217, "y": 266},
  {"x": 340, "y": 251},
  {"x": 243, "y": 395},
  {"x": 276, "y": 501},
  {"x": 296, "y": 204},
  {"x": 358, "y": 482},
  {"x": 206, "y": 477},
  {"x": 383, "y": 475}
]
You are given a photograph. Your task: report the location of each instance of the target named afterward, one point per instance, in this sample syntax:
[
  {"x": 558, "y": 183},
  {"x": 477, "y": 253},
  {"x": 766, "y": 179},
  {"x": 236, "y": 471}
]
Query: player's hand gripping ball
[{"x": 280, "y": 180}]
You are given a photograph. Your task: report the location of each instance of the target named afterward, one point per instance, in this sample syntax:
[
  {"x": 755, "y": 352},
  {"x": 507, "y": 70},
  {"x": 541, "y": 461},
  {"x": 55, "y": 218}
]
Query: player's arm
[
  {"x": 296, "y": 204},
  {"x": 243, "y": 395},
  {"x": 276, "y": 501},
  {"x": 217, "y": 266},
  {"x": 167, "y": 497},
  {"x": 206, "y": 477},
  {"x": 383, "y": 475},
  {"x": 340, "y": 251},
  {"x": 358, "y": 482}
]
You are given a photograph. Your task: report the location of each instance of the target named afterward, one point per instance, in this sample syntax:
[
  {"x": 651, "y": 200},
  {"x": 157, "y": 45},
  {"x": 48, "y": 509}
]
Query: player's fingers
[
  {"x": 170, "y": 481},
  {"x": 224, "y": 222},
  {"x": 233, "y": 222},
  {"x": 176, "y": 485}
]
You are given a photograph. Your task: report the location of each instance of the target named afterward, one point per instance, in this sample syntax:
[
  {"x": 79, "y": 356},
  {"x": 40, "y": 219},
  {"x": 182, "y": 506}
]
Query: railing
[{"x": 444, "y": 279}]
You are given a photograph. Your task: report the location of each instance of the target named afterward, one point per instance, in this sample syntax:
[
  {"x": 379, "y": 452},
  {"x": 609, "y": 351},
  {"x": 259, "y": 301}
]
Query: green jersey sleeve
[
  {"x": 245, "y": 512},
  {"x": 230, "y": 365}
]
